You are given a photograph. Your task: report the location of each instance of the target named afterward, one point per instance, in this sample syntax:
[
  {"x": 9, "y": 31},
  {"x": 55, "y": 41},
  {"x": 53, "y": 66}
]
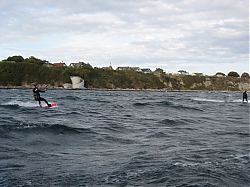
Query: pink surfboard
[{"x": 52, "y": 105}]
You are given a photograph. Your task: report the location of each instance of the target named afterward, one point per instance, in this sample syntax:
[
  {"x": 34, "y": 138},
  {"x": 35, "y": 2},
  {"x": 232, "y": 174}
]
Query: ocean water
[{"x": 124, "y": 138}]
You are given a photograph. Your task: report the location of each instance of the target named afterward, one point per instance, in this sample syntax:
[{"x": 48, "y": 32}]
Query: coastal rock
[
  {"x": 182, "y": 83},
  {"x": 195, "y": 85},
  {"x": 230, "y": 83},
  {"x": 77, "y": 82},
  {"x": 67, "y": 86},
  {"x": 207, "y": 82},
  {"x": 244, "y": 86},
  {"x": 170, "y": 85}
]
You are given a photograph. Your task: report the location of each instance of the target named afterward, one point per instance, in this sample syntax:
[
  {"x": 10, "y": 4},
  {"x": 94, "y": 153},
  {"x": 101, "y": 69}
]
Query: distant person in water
[
  {"x": 36, "y": 94},
  {"x": 245, "y": 96}
]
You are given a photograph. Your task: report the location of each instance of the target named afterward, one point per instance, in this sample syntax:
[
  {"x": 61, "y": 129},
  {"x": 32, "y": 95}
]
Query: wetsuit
[
  {"x": 245, "y": 96},
  {"x": 36, "y": 94}
]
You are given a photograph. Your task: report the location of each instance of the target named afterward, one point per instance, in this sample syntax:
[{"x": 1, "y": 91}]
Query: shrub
[{"x": 233, "y": 74}]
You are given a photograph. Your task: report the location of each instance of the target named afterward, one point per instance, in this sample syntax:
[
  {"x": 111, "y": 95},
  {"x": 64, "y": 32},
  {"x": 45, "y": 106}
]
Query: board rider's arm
[{"x": 43, "y": 90}]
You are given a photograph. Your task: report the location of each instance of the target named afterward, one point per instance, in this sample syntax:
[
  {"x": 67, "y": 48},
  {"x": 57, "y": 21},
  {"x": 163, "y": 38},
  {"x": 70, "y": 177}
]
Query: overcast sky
[{"x": 194, "y": 35}]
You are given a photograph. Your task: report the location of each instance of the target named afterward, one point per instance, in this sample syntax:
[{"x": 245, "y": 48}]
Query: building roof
[
  {"x": 146, "y": 70},
  {"x": 58, "y": 65},
  {"x": 129, "y": 68}
]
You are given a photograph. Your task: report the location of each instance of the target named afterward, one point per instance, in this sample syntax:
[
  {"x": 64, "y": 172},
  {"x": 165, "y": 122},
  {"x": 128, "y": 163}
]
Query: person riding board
[
  {"x": 245, "y": 96},
  {"x": 37, "y": 97}
]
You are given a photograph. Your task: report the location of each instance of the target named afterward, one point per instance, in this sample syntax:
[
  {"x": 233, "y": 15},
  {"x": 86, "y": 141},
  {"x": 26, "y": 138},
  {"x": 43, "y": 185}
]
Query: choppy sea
[{"x": 124, "y": 138}]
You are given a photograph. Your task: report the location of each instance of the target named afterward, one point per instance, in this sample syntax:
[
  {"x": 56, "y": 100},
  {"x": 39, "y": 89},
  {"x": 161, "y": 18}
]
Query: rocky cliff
[{"x": 188, "y": 82}]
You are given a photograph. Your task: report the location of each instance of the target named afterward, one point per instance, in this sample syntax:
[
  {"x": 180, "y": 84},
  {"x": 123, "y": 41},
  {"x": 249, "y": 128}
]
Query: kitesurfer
[
  {"x": 245, "y": 96},
  {"x": 37, "y": 97}
]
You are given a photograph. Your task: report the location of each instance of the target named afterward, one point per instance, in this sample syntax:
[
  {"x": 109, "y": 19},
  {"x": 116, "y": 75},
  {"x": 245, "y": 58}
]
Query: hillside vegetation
[
  {"x": 19, "y": 72},
  {"x": 26, "y": 71}
]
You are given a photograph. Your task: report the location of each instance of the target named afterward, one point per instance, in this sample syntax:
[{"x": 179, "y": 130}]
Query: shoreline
[{"x": 105, "y": 89}]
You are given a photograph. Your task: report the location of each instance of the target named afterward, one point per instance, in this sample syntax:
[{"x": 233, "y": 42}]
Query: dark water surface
[{"x": 122, "y": 138}]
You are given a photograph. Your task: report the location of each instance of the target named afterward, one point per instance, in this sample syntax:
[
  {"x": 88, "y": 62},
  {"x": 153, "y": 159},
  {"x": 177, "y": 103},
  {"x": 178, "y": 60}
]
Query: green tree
[
  {"x": 15, "y": 58},
  {"x": 34, "y": 60},
  {"x": 233, "y": 74},
  {"x": 183, "y": 72},
  {"x": 244, "y": 75},
  {"x": 220, "y": 74}
]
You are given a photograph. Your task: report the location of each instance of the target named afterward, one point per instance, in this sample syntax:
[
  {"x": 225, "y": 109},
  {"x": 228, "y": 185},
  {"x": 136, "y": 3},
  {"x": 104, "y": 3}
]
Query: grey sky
[{"x": 195, "y": 35}]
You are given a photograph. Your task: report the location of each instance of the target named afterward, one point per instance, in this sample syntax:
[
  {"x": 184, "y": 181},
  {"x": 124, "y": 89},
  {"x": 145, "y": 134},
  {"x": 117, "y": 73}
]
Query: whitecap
[
  {"x": 208, "y": 100},
  {"x": 21, "y": 103}
]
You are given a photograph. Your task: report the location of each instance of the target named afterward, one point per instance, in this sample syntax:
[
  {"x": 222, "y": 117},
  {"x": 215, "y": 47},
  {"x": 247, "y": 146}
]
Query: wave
[
  {"x": 17, "y": 104},
  {"x": 244, "y": 158},
  {"x": 237, "y": 101},
  {"x": 70, "y": 97},
  {"x": 217, "y": 100},
  {"x": 169, "y": 122},
  {"x": 208, "y": 100},
  {"x": 113, "y": 127},
  {"x": 166, "y": 104},
  {"x": 161, "y": 103},
  {"x": 119, "y": 140},
  {"x": 177, "y": 122},
  {"x": 184, "y": 107},
  {"x": 141, "y": 104},
  {"x": 158, "y": 135},
  {"x": 42, "y": 127},
  {"x": 232, "y": 133},
  {"x": 69, "y": 113}
]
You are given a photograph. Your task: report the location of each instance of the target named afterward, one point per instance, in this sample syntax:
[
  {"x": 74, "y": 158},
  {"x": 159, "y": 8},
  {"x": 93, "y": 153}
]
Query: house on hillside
[
  {"x": 183, "y": 72},
  {"x": 158, "y": 72},
  {"x": 127, "y": 68},
  {"x": 108, "y": 68},
  {"x": 197, "y": 74},
  {"x": 59, "y": 65},
  {"x": 80, "y": 64},
  {"x": 122, "y": 68},
  {"x": 146, "y": 70},
  {"x": 76, "y": 65},
  {"x": 220, "y": 74},
  {"x": 136, "y": 69}
]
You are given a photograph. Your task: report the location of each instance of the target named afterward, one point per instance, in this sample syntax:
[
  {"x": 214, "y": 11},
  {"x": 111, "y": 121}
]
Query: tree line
[{"x": 18, "y": 71}]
